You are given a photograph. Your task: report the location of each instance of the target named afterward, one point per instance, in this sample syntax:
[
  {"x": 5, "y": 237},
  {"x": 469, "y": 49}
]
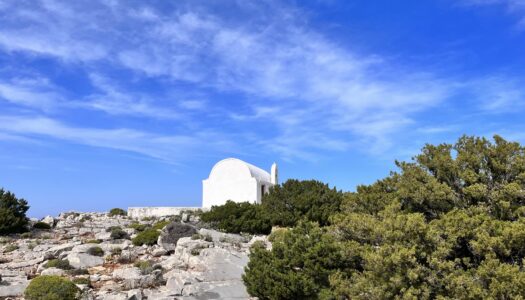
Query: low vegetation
[
  {"x": 137, "y": 226},
  {"x": 117, "y": 212},
  {"x": 95, "y": 251},
  {"x": 41, "y": 225},
  {"x": 81, "y": 280},
  {"x": 95, "y": 241},
  {"x": 10, "y": 248},
  {"x": 51, "y": 288},
  {"x": 146, "y": 237},
  {"x": 58, "y": 263},
  {"x": 146, "y": 266},
  {"x": 118, "y": 233}
]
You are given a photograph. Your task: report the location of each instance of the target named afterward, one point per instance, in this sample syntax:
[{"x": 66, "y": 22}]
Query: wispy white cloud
[
  {"x": 497, "y": 94},
  {"x": 514, "y": 7},
  {"x": 30, "y": 92},
  {"x": 112, "y": 100},
  {"x": 169, "y": 148},
  {"x": 310, "y": 92}
]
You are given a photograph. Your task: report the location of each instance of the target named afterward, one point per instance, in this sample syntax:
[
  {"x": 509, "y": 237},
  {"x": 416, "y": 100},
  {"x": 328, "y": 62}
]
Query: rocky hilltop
[{"x": 95, "y": 250}]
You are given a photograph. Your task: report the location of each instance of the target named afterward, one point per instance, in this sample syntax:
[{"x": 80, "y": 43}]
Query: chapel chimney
[{"x": 274, "y": 175}]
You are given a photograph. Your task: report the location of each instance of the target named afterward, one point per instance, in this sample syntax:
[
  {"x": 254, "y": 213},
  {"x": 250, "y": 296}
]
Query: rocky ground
[{"x": 203, "y": 264}]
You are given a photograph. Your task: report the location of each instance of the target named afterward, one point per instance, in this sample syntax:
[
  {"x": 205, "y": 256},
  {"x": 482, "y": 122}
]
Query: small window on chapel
[{"x": 262, "y": 189}]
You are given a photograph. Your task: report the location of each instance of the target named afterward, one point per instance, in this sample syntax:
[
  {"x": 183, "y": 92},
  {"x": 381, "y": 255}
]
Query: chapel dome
[{"x": 234, "y": 167}]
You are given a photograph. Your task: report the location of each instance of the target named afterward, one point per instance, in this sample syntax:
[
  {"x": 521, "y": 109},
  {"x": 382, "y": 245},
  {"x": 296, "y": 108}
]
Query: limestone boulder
[
  {"x": 49, "y": 220},
  {"x": 84, "y": 260},
  {"x": 217, "y": 236},
  {"x": 13, "y": 286},
  {"x": 53, "y": 271}
]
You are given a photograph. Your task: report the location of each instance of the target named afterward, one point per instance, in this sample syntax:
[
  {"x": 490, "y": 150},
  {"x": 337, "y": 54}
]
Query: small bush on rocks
[
  {"x": 85, "y": 218},
  {"x": 117, "y": 212},
  {"x": 10, "y": 248},
  {"x": 174, "y": 231},
  {"x": 116, "y": 251},
  {"x": 118, "y": 233},
  {"x": 95, "y": 251},
  {"x": 26, "y": 235},
  {"x": 58, "y": 263},
  {"x": 41, "y": 225},
  {"x": 196, "y": 236},
  {"x": 195, "y": 251},
  {"x": 137, "y": 226},
  {"x": 146, "y": 266},
  {"x": 160, "y": 225},
  {"x": 147, "y": 237},
  {"x": 95, "y": 241},
  {"x": 77, "y": 272},
  {"x": 51, "y": 288},
  {"x": 81, "y": 280}
]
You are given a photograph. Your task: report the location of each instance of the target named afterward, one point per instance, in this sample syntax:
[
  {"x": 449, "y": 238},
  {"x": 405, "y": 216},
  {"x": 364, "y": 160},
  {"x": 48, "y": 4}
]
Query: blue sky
[{"x": 130, "y": 103}]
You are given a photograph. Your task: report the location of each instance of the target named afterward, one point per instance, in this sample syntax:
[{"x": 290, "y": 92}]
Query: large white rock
[
  {"x": 48, "y": 220},
  {"x": 231, "y": 289},
  {"x": 13, "y": 287},
  {"x": 83, "y": 260},
  {"x": 127, "y": 273},
  {"x": 53, "y": 271}
]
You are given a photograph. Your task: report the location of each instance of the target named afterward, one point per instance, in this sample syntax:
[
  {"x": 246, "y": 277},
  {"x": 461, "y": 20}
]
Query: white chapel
[{"x": 236, "y": 180}]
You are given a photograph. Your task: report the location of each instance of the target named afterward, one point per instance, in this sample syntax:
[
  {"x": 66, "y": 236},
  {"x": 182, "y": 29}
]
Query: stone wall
[{"x": 141, "y": 212}]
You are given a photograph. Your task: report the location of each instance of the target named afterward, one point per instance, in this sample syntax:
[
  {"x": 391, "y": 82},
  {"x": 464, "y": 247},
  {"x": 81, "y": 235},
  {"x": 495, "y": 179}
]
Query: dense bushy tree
[
  {"x": 448, "y": 225},
  {"x": 238, "y": 217},
  {"x": 295, "y": 200},
  {"x": 297, "y": 267},
  {"x": 12, "y": 213}
]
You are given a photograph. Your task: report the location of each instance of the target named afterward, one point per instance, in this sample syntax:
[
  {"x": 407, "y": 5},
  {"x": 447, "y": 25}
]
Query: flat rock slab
[
  {"x": 13, "y": 288},
  {"x": 83, "y": 260}
]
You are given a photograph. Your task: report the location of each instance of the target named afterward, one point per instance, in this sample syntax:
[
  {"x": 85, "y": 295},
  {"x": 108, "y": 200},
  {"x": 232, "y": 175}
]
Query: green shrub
[
  {"x": 26, "y": 235},
  {"x": 116, "y": 251},
  {"x": 81, "y": 280},
  {"x": 85, "y": 218},
  {"x": 77, "y": 272},
  {"x": 118, "y": 233},
  {"x": 196, "y": 236},
  {"x": 41, "y": 225},
  {"x": 137, "y": 226},
  {"x": 238, "y": 217},
  {"x": 51, "y": 288},
  {"x": 147, "y": 237},
  {"x": 296, "y": 200},
  {"x": 117, "y": 212},
  {"x": 160, "y": 225},
  {"x": 58, "y": 263},
  {"x": 10, "y": 248},
  {"x": 95, "y": 241},
  {"x": 96, "y": 251},
  {"x": 197, "y": 250},
  {"x": 12, "y": 213},
  {"x": 146, "y": 266}
]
